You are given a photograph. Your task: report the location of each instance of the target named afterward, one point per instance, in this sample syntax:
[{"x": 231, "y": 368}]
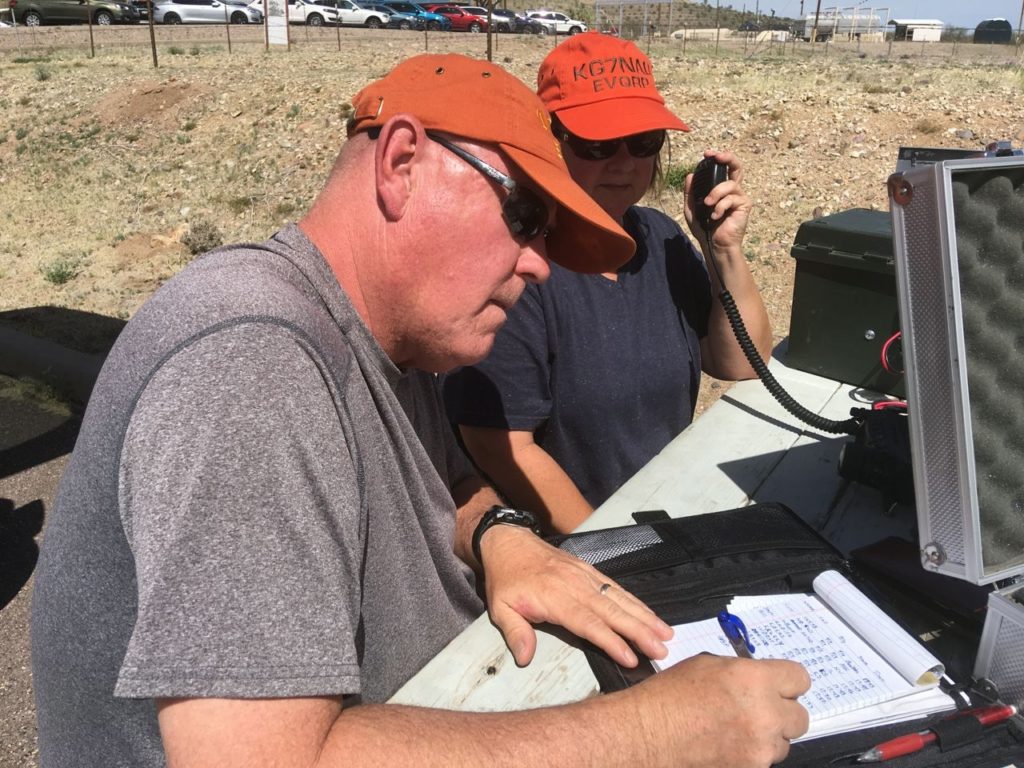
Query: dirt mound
[{"x": 147, "y": 102}]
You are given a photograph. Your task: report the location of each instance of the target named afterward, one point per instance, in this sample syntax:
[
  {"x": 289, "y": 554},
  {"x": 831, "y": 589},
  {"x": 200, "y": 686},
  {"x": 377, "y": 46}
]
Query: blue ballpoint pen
[{"x": 736, "y": 634}]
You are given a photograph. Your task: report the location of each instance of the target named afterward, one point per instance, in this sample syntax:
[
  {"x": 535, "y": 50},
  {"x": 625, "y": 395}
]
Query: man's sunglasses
[
  {"x": 639, "y": 144},
  {"x": 524, "y": 212}
]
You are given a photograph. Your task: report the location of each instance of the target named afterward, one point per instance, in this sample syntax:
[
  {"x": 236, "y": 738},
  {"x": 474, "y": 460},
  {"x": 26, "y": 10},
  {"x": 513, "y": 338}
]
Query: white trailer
[{"x": 918, "y": 30}]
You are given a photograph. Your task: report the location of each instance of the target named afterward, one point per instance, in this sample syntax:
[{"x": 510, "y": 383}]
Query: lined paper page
[
  {"x": 904, "y": 652},
  {"x": 852, "y": 684},
  {"x": 846, "y": 673}
]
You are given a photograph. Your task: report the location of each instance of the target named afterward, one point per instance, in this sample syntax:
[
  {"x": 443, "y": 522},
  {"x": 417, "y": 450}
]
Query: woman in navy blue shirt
[{"x": 592, "y": 375}]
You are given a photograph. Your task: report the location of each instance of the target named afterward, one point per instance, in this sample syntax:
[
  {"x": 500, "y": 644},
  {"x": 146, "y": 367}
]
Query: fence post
[{"x": 92, "y": 45}]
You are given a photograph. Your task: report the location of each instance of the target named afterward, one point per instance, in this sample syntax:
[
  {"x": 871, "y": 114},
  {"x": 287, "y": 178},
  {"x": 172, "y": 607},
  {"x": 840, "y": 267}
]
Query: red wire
[
  {"x": 885, "y": 352},
  {"x": 881, "y": 405}
]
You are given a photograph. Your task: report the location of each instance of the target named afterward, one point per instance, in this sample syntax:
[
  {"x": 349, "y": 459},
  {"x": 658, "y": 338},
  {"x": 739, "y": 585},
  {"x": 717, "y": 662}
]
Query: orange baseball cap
[
  {"x": 481, "y": 101},
  {"x": 602, "y": 87}
]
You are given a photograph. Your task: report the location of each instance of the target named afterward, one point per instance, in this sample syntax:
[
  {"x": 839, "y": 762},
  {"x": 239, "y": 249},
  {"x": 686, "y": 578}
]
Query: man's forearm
[
  {"x": 706, "y": 712},
  {"x": 317, "y": 733},
  {"x": 473, "y": 496}
]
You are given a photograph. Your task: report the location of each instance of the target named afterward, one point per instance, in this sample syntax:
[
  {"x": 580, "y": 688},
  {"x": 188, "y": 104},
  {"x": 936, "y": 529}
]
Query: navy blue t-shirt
[{"x": 603, "y": 372}]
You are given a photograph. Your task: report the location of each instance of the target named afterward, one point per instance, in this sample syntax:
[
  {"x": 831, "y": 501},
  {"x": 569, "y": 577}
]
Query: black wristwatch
[{"x": 502, "y": 516}]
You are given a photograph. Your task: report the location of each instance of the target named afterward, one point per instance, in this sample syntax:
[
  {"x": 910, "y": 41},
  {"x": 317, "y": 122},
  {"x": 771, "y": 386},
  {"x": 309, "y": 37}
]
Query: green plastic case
[{"x": 844, "y": 300}]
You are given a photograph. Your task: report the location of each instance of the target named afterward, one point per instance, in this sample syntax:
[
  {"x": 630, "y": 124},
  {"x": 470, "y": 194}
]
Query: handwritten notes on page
[{"x": 857, "y": 657}]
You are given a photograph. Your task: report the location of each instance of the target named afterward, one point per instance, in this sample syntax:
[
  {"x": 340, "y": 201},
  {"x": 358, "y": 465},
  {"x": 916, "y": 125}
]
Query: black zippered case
[{"x": 687, "y": 569}]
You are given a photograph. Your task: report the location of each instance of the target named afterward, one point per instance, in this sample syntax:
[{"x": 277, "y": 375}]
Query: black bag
[{"x": 687, "y": 569}]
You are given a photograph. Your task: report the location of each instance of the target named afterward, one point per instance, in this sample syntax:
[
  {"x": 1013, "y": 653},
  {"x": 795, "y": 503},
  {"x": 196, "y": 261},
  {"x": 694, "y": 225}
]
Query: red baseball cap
[
  {"x": 481, "y": 101},
  {"x": 602, "y": 87}
]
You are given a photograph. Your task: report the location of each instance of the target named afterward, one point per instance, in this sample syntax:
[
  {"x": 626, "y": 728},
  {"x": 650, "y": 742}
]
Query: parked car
[
  {"x": 204, "y": 12},
  {"x": 502, "y": 20},
  {"x": 32, "y": 13},
  {"x": 558, "y": 22},
  {"x": 509, "y": 21},
  {"x": 397, "y": 20},
  {"x": 353, "y": 15},
  {"x": 432, "y": 20},
  {"x": 303, "y": 12},
  {"x": 462, "y": 20}
]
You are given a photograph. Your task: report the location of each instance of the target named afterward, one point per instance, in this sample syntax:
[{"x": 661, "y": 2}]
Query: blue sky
[{"x": 956, "y": 13}]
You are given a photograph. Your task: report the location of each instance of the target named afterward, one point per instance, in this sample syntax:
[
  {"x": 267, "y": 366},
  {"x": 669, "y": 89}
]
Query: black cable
[
  {"x": 847, "y": 427},
  {"x": 732, "y": 312}
]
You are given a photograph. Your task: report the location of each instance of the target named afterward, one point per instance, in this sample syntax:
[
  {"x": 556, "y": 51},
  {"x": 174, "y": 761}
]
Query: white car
[
  {"x": 559, "y": 22},
  {"x": 301, "y": 12},
  {"x": 355, "y": 15},
  {"x": 205, "y": 12}
]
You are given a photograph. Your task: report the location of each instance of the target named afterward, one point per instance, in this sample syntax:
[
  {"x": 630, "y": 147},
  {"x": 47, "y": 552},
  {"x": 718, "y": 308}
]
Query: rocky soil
[{"x": 112, "y": 170}]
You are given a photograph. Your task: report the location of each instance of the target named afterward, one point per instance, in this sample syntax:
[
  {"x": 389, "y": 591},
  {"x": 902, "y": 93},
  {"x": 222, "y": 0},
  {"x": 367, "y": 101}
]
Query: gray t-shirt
[{"x": 258, "y": 505}]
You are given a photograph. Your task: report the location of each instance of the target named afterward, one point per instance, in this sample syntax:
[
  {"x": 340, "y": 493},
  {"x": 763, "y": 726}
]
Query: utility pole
[
  {"x": 1020, "y": 21},
  {"x": 814, "y": 29}
]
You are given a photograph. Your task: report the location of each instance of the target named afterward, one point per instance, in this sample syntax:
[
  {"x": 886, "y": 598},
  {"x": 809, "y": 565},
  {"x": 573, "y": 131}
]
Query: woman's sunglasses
[{"x": 638, "y": 145}]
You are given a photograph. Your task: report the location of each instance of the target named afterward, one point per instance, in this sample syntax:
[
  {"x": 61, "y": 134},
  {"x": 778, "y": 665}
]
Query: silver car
[{"x": 205, "y": 12}]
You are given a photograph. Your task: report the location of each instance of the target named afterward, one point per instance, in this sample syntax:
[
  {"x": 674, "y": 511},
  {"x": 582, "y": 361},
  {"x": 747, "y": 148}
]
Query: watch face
[{"x": 516, "y": 517}]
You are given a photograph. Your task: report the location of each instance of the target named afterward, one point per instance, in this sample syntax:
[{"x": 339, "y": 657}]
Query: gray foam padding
[{"x": 989, "y": 215}]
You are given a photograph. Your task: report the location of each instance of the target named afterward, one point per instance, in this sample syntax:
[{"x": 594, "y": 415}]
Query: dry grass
[{"x": 118, "y": 162}]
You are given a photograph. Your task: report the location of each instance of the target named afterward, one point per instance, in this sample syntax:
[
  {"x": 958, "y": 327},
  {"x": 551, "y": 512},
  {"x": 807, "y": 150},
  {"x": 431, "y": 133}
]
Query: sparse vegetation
[
  {"x": 928, "y": 125},
  {"x": 236, "y": 145},
  {"x": 674, "y": 177},
  {"x": 63, "y": 269},
  {"x": 203, "y": 235},
  {"x": 42, "y": 395}
]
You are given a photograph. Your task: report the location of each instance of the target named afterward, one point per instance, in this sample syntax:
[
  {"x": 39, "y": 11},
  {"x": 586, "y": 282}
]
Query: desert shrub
[
  {"x": 61, "y": 270},
  {"x": 202, "y": 236},
  {"x": 674, "y": 176},
  {"x": 42, "y": 73},
  {"x": 928, "y": 125},
  {"x": 175, "y": 50}
]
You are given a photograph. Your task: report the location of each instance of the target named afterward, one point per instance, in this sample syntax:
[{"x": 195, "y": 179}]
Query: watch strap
[{"x": 498, "y": 515}]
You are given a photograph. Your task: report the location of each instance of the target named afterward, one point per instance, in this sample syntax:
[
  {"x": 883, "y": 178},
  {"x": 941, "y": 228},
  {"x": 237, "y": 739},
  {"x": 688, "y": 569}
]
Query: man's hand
[
  {"x": 714, "y": 710},
  {"x": 528, "y": 582}
]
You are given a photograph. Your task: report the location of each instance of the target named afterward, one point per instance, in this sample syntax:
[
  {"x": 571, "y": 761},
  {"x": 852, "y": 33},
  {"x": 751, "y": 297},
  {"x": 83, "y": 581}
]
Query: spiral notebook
[{"x": 865, "y": 669}]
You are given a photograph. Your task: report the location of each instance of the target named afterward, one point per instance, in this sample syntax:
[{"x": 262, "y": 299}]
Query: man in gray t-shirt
[{"x": 266, "y": 527}]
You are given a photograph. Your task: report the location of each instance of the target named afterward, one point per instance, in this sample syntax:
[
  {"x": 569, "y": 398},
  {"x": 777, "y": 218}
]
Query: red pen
[{"x": 913, "y": 742}]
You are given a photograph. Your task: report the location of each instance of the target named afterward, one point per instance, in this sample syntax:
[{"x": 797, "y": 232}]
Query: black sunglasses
[
  {"x": 524, "y": 212},
  {"x": 638, "y": 145}
]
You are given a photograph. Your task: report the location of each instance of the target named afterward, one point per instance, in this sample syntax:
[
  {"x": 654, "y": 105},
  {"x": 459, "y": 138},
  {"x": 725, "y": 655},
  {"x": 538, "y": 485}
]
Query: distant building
[
  {"x": 993, "y": 31},
  {"x": 918, "y": 30},
  {"x": 833, "y": 24}
]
